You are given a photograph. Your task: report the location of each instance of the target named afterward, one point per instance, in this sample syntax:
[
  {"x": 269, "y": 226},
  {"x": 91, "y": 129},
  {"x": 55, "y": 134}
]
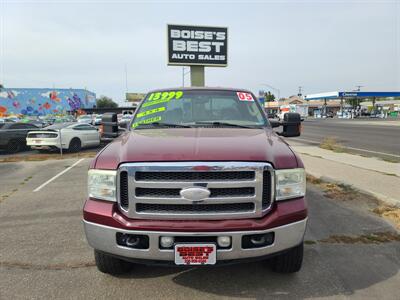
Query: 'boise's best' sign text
[{"x": 197, "y": 45}]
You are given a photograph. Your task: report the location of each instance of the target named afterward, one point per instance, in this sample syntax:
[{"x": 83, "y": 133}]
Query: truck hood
[{"x": 197, "y": 144}]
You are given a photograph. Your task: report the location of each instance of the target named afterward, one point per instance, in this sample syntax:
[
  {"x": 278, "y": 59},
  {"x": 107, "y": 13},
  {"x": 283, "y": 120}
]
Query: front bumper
[
  {"x": 102, "y": 221},
  {"x": 103, "y": 238}
]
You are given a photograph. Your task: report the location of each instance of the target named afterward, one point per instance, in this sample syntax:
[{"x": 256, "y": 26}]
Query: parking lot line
[{"x": 56, "y": 176}]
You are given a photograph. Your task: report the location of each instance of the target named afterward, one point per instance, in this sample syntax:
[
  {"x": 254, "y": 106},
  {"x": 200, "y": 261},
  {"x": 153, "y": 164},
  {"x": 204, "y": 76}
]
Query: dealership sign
[{"x": 197, "y": 45}]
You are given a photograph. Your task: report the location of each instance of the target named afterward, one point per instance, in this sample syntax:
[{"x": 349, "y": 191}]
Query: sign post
[
  {"x": 197, "y": 47},
  {"x": 197, "y": 75}
]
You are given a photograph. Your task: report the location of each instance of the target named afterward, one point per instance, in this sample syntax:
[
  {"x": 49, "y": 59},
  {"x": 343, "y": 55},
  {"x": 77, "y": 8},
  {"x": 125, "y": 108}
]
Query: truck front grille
[{"x": 237, "y": 190}]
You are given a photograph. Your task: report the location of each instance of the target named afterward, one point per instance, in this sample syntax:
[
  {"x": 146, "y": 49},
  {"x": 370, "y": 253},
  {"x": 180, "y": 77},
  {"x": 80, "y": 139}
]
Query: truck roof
[{"x": 200, "y": 88}]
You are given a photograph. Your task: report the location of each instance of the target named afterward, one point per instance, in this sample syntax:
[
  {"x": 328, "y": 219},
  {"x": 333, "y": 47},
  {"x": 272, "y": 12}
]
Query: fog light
[
  {"x": 135, "y": 241},
  {"x": 132, "y": 241},
  {"x": 257, "y": 240},
  {"x": 166, "y": 241},
  {"x": 224, "y": 241}
]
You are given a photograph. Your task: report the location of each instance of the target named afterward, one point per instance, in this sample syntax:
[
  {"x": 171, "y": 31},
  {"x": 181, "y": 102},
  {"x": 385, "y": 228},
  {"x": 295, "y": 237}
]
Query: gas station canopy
[{"x": 352, "y": 94}]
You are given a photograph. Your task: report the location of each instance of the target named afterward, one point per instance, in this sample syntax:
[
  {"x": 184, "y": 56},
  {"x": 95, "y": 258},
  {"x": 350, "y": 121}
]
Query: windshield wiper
[
  {"x": 216, "y": 123},
  {"x": 158, "y": 124}
]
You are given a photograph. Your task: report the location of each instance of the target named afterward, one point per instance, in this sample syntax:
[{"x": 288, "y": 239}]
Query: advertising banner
[{"x": 197, "y": 45}]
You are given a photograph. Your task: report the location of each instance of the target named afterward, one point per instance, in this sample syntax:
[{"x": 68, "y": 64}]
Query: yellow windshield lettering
[
  {"x": 150, "y": 112},
  {"x": 147, "y": 121}
]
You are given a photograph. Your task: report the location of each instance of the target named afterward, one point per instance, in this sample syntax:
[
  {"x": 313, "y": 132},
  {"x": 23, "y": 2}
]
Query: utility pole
[
  {"x": 300, "y": 90},
  {"x": 126, "y": 81}
]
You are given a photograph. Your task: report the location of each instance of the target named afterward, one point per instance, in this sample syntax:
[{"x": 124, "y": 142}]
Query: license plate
[
  {"x": 38, "y": 141},
  {"x": 195, "y": 254}
]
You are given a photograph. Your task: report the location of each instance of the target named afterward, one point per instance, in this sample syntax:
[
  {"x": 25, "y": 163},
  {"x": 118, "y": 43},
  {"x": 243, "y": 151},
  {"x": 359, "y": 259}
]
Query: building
[
  {"x": 44, "y": 101},
  {"x": 303, "y": 107}
]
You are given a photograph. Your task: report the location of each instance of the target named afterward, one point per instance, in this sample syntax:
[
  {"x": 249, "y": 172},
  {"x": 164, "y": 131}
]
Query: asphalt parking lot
[{"x": 44, "y": 254}]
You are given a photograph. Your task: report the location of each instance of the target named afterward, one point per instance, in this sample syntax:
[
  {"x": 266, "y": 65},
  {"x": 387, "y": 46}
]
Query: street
[
  {"x": 376, "y": 137},
  {"x": 44, "y": 253}
]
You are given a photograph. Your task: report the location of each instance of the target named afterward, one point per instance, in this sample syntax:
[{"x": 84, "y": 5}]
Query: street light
[{"x": 271, "y": 87}]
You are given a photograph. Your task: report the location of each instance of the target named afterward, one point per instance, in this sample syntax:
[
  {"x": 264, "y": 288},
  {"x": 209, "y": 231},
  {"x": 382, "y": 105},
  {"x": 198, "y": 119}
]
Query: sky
[{"x": 319, "y": 45}]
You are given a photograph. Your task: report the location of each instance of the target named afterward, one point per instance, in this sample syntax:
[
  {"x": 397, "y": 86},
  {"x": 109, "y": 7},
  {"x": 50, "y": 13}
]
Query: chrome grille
[{"x": 237, "y": 190}]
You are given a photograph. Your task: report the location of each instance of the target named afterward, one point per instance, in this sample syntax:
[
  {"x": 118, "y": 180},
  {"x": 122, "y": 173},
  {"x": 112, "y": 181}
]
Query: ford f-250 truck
[{"x": 200, "y": 178}]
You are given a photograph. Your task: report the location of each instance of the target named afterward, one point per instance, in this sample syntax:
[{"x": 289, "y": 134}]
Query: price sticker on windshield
[{"x": 245, "y": 96}]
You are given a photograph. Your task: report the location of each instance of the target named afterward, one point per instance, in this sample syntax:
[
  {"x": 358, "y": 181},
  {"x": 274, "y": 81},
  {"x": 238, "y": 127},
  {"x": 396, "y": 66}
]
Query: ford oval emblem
[{"x": 195, "y": 194}]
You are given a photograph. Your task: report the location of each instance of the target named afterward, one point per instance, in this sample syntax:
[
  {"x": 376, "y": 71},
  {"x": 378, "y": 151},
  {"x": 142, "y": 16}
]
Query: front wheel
[
  {"x": 111, "y": 265},
  {"x": 290, "y": 261}
]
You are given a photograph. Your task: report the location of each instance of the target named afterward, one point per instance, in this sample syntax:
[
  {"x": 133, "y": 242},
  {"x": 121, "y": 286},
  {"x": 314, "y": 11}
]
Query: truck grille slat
[
  {"x": 194, "y": 208},
  {"x": 195, "y": 176},
  {"x": 175, "y": 193}
]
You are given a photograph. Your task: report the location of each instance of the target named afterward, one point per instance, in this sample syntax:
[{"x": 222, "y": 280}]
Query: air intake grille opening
[
  {"x": 175, "y": 193},
  {"x": 194, "y": 208},
  {"x": 124, "y": 197},
  {"x": 266, "y": 197},
  {"x": 195, "y": 176}
]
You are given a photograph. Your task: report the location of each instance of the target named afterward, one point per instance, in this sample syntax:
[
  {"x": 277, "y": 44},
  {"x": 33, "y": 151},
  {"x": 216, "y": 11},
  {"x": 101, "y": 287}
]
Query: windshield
[{"x": 200, "y": 108}]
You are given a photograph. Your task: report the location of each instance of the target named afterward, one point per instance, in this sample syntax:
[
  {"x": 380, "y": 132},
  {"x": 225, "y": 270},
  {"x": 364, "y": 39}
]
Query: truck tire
[
  {"x": 75, "y": 145},
  {"x": 111, "y": 265},
  {"x": 288, "y": 262},
  {"x": 14, "y": 146}
]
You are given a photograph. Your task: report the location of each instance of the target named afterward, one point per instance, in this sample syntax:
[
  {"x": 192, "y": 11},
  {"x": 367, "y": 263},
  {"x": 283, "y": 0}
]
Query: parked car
[
  {"x": 12, "y": 119},
  {"x": 124, "y": 121},
  {"x": 74, "y": 136},
  {"x": 86, "y": 119},
  {"x": 97, "y": 120},
  {"x": 199, "y": 179},
  {"x": 377, "y": 114},
  {"x": 329, "y": 114},
  {"x": 13, "y": 135}
]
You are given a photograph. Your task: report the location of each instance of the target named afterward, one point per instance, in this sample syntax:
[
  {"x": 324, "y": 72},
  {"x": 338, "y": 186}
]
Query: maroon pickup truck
[{"x": 200, "y": 178}]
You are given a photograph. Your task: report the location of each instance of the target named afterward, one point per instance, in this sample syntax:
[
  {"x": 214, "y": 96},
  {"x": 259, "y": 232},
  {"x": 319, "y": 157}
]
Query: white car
[
  {"x": 74, "y": 136},
  {"x": 86, "y": 119},
  {"x": 97, "y": 120}
]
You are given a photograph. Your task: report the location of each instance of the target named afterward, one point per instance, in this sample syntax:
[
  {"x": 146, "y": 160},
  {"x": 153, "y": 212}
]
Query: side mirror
[
  {"x": 110, "y": 125},
  {"x": 291, "y": 125}
]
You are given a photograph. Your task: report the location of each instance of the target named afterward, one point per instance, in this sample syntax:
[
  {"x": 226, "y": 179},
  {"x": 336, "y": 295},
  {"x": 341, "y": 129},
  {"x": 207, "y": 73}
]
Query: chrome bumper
[{"x": 103, "y": 238}]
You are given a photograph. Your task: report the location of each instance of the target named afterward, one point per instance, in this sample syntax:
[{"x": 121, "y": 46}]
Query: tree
[
  {"x": 105, "y": 102},
  {"x": 269, "y": 97}
]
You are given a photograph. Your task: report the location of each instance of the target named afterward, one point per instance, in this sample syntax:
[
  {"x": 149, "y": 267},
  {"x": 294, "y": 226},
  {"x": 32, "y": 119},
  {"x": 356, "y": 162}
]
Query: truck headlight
[
  {"x": 290, "y": 183},
  {"x": 102, "y": 184}
]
